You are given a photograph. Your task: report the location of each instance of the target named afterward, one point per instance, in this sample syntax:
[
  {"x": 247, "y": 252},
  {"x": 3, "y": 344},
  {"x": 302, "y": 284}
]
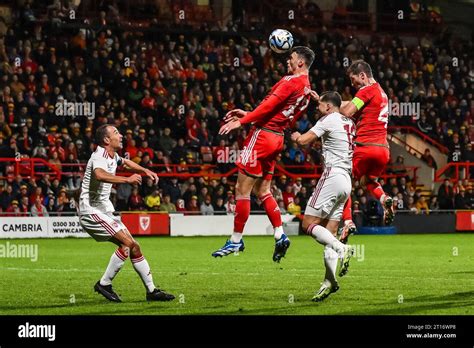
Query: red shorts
[
  {"x": 261, "y": 148},
  {"x": 369, "y": 161}
]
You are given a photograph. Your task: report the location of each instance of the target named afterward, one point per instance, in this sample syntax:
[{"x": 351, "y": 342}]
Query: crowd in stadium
[{"x": 167, "y": 94}]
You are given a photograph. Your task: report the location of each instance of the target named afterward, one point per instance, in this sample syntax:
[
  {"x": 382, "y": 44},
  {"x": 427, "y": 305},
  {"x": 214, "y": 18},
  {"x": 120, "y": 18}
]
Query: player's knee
[
  {"x": 263, "y": 191},
  {"x": 135, "y": 249},
  {"x": 239, "y": 189}
]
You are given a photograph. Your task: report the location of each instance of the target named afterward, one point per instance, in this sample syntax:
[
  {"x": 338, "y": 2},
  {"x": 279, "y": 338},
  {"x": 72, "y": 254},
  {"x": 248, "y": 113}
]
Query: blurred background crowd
[{"x": 167, "y": 92}]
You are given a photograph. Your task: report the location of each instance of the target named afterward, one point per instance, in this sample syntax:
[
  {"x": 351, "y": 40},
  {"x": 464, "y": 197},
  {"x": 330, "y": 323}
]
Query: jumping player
[
  {"x": 96, "y": 213},
  {"x": 369, "y": 108},
  {"x": 324, "y": 209},
  {"x": 280, "y": 109}
]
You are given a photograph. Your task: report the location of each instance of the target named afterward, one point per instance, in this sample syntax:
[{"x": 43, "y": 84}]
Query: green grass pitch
[{"x": 391, "y": 275}]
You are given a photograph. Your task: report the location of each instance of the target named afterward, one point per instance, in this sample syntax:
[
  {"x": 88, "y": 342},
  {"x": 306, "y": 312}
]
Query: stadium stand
[{"x": 167, "y": 92}]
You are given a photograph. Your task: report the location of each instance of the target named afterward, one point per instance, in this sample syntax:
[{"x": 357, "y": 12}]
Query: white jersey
[
  {"x": 336, "y": 132},
  {"x": 95, "y": 194}
]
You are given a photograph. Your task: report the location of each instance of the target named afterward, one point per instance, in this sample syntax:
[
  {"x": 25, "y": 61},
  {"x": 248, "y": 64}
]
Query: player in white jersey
[
  {"x": 96, "y": 213},
  {"x": 324, "y": 209}
]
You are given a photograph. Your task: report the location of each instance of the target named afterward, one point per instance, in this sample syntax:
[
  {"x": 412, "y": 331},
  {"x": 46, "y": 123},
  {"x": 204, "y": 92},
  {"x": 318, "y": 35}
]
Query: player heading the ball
[{"x": 280, "y": 109}]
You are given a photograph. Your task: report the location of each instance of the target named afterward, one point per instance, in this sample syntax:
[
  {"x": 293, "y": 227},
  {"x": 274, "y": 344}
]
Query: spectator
[
  {"x": 446, "y": 196},
  {"x": 422, "y": 206},
  {"x": 294, "y": 207},
  {"x": 400, "y": 202},
  {"x": 24, "y": 206},
  {"x": 219, "y": 206},
  {"x": 470, "y": 196},
  {"x": 38, "y": 209},
  {"x": 455, "y": 149},
  {"x": 166, "y": 142},
  {"x": 172, "y": 189},
  {"x": 297, "y": 186},
  {"x": 13, "y": 209},
  {"x": 153, "y": 201},
  {"x": 412, "y": 206},
  {"x": 281, "y": 206},
  {"x": 230, "y": 205},
  {"x": 135, "y": 202},
  {"x": 180, "y": 207},
  {"x": 167, "y": 206},
  {"x": 55, "y": 161},
  {"x": 206, "y": 206},
  {"x": 429, "y": 160},
  {"x": 461, "y": 200},
  {"x": 193, "y": 207},
  {"x": 37, "y": 193},
  {"x": 51, "y": 205},
  {"x": 288, "y": 195}
]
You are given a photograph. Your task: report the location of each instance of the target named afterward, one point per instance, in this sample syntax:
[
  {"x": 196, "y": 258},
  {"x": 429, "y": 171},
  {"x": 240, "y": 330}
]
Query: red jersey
[
  {"x": 282, "y": 107},
  {"x": 372, "y": 115}
]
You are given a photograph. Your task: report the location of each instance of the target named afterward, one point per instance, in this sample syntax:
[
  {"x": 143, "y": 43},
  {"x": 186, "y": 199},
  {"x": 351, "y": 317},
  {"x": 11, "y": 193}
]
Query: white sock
[
  {"x": 278, "y": 232},
  {"x": 326, "y": 238},
  {"x": 330, "y": 261},
  {"x": 115, "y": 265},
  {"x": 236, "y": 237},
  {"x": 143, "y": 269}
]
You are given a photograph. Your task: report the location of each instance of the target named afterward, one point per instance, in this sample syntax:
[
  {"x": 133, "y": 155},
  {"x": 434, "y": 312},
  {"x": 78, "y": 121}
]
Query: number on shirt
[
  {"x": 383, "y": 116},
  {"x": 291, "y": 110},
  {"x": 350, "y": 138}
]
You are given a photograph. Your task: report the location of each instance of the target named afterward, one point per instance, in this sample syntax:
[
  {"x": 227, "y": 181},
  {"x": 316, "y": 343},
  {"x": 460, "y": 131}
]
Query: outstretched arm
[
  {"x": 266, "y": 109},
  {"x": 304, "y": 139},
  {"x": 102, "y": 175},
  {"x": 139, "y": 169}
]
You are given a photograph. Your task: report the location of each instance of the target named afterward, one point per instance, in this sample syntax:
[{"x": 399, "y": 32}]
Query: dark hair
[
  {"x": 306, "y": 53},
  {"x": 101, "y": 133},
  {"x": 331, "y": 97},
  {"x": 359, "y": 66}
]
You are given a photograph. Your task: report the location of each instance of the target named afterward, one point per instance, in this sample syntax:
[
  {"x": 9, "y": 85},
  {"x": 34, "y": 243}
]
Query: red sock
[
  {"x": 375, "y": 189},
  {"x": 242, "y": 212},
  {"x": 347, "y": 212},
  {"x": 271, "y": 208}
]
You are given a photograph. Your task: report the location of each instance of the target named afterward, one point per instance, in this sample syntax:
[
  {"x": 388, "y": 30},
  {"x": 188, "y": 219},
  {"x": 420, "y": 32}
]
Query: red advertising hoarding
[
  {"x": 465, "y": 221},
  {"x": 147, "y": 223}
]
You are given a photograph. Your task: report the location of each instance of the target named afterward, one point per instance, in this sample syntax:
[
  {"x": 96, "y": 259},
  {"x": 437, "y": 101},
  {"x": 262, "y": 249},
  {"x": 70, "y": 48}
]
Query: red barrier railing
[
  {"x": 27, "y": 169},
  {"x": 455, "y": 167},
  {"x": 32, "y": 167},
  {"x": 413, "y": 130}
]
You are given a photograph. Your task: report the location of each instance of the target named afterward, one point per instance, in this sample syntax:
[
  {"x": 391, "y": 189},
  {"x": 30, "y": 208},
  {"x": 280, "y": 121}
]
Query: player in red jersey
[
  {"x": 280, "y": 109},
  {"x": 369, "y": 108}
]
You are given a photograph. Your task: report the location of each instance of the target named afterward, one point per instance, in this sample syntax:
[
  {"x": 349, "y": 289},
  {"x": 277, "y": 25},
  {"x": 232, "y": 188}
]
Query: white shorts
[
  {"x": 330, "y": 194},
  {"x": 101, "y": 226}
]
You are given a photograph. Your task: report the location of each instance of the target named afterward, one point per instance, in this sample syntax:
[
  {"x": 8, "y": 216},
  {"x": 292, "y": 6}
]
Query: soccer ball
[{"x": 280, "y": 40}]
